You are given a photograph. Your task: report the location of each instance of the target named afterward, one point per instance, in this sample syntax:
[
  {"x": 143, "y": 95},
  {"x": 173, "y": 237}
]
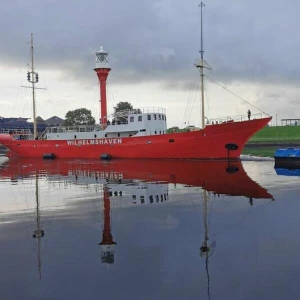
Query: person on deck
[{"x": 249, "y": 114}]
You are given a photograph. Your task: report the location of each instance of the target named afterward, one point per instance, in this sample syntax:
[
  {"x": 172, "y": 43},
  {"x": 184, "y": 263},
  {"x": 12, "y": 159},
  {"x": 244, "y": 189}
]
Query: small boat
[
  {"x": 288, "y": 157},
  {"x": 140, "y": 133}
]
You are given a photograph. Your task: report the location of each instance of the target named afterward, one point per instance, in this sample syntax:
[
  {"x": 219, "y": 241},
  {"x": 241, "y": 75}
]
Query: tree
[
  {"x": 173, "y": 129},
  {"x": 122, "y": 110},
  {"x": 123, "y": 106},
  {"x": 80, "y": 116}
]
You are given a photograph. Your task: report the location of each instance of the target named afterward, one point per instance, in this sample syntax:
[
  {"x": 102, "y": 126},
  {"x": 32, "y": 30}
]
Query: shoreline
[{"x": 273, "y": 144}]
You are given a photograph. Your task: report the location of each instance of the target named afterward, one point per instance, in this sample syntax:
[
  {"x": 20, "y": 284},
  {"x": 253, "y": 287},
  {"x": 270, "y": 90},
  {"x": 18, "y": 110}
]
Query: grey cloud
[{"x": 156, "y": 40}]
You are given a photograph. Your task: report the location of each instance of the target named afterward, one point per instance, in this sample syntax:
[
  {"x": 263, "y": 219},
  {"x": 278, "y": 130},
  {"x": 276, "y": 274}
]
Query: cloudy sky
[{"x": 252, "y": 46}]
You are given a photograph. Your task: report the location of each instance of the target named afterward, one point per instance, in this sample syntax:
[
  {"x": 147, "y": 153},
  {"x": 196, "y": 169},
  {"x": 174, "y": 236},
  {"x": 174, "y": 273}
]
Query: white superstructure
[{"x": 138, "y": 122}]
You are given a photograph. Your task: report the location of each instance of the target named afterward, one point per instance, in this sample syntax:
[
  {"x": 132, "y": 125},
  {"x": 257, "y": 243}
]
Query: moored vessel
[{"x": 140, "y": 133}]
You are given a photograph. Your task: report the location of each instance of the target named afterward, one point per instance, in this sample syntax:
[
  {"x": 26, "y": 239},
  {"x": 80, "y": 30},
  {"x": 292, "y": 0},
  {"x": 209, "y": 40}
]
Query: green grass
[
  {"x": 263, "y": 152},
  {"x": 277, "y": 134},
  {"x": 270, "y": 134}
]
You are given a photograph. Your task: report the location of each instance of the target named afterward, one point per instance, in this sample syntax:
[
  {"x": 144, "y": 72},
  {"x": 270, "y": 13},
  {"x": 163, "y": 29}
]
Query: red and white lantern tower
[{"x": 102, "y": 69}]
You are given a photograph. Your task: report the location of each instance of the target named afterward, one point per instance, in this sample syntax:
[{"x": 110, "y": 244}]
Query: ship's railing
[
  {"x": 15, "y": 131},
  {"x": 237, "y": 118},
  {"x": 142, "y": 110},
  {"x": 65, "y": 129},
  {"x": 118, "y": 122}
]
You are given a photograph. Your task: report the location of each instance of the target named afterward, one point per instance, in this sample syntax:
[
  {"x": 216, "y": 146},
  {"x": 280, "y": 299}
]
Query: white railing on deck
[
  {"x": 142, "y": 110},
  {"x": 65, "y": 129},
  {"x": 16, "y": 131},
  {"x": 238, "y": 118}
]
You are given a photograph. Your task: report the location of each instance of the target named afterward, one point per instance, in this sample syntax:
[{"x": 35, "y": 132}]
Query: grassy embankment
[
  {"x": 258, "y": 145},
  {"x": 272, "y": 135}
]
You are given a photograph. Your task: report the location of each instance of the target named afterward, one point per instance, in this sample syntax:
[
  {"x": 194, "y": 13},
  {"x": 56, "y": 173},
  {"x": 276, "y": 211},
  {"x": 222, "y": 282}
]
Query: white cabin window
[
  {"x": 159, "y": 117},
  {"x": 140, "y": 118},
  {"x": 154, "y": 117},
  {"x": 131, "y": 119},
  {"x": 149, "y": 117},
  {"x": 155, "y": 132},
  {"x": 162, "y": 117}
]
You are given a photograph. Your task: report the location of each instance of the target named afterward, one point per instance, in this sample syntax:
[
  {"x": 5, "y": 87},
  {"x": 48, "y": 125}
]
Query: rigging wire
[
  {"x": 26, "y": 96},
  {"x": 94, "y": 105},
  {"x": 192, "y": 106},
  {"x": 46, "y": 88},
  {"x": 186, "y": 107},
  {"x": 226, "y": 89},
  {"x": 19, "y": 94},
  {"x": 111, "y": 95},
  {"x": 207, "y": 100},
  {"x": 246, "y": 215}
]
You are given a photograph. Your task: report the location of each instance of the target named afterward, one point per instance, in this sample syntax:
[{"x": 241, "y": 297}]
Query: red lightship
[{"x": 140, "y": 133}]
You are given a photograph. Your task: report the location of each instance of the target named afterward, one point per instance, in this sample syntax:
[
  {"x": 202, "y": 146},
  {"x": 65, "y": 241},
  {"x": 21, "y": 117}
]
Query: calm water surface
[{"x": 148, "y": 230}]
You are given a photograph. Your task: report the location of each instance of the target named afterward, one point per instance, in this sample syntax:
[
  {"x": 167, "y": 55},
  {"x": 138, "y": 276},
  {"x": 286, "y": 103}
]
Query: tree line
[{"x": 83, "y": 116}]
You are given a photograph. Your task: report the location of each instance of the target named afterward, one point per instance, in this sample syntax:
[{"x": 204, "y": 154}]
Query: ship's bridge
[{"x": 137, "y": 122}]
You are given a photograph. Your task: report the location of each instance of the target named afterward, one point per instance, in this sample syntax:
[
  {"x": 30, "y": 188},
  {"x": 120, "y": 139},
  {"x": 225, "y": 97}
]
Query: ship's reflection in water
[{"x": 132, "y": 190}]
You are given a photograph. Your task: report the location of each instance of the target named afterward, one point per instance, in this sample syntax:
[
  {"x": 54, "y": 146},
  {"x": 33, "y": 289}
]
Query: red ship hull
[{"x": 203, "y": 144}]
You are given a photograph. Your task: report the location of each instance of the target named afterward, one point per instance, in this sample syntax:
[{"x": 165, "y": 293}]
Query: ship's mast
[
  {"x": 33, "y": 89},
  {"x": 33, "y": 78},
  {"x": 201, "y": 65},
  {"x": 202, "y": 68}
]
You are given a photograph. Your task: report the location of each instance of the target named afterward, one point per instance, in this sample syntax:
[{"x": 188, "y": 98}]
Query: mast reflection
[{"x": 39, "y": 232}]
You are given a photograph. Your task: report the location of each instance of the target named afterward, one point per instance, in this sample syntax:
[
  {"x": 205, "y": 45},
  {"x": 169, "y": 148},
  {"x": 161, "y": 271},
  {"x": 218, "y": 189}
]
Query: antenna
[{"x": 201, "y": 5}]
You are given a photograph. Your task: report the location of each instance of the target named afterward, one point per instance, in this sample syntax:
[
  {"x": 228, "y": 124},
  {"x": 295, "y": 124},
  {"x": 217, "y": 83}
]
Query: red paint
[
  {"x": 107, "y": 238},
  {"x": 213, "y": 176},
  {"x": 204, "y": 144},
  {"x": 102, "y": 74}
]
